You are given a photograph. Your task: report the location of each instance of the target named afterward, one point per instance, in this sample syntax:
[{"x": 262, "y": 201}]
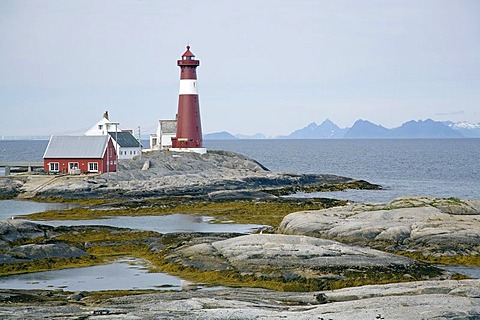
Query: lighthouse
[{"x": 189, "y": 126}]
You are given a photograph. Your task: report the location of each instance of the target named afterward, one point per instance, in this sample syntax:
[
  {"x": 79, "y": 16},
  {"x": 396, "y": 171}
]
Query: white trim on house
[
  {"x": 54, "y": 166},
  {"x": 92, "y": 166}
]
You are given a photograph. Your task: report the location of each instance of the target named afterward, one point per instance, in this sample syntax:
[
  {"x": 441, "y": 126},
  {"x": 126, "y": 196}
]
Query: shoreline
[{"x": 312, "y": 246}]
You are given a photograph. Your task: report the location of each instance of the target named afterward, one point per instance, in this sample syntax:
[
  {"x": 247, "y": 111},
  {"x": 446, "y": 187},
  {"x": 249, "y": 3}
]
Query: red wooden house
[{"x": 80, "y": 154}]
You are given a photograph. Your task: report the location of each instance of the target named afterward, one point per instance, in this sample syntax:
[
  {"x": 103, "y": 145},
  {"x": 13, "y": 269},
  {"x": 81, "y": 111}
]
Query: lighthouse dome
[{"x": 188, "y": 55}]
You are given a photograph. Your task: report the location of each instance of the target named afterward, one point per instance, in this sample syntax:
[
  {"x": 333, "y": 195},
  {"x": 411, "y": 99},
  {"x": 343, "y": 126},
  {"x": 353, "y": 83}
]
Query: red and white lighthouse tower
[{"x": 189, "y": 126}]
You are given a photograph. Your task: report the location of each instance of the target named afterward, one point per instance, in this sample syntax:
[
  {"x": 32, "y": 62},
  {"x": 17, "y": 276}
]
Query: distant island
[{"x": 363, "y": 129}]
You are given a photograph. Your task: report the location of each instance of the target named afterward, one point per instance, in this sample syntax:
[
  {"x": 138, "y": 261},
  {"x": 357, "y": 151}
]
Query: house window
[
  {"x": 73, "y": 165},
  {"x": 53, "y": 166},
  {"x": 92, "y": 167},
  {"x": 100, "y": 127}
]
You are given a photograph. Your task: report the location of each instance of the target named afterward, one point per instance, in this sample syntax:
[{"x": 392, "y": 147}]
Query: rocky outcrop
[
  {"x": 164, "y": 174},
  {"x": 428, "y": 300},
  {"x": 36, "y": 243},
  {"x": 16, "y": 230},
  {"x": 428, "y": 225},
  {"x": 297, "y": 257},
  {"x": 10, "y": 187},
  {"x": 43, "y": 251}
]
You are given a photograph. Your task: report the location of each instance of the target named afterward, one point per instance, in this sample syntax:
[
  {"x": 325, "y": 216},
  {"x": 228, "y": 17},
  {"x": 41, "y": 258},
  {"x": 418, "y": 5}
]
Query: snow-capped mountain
[{"x": 467, "y": 129}]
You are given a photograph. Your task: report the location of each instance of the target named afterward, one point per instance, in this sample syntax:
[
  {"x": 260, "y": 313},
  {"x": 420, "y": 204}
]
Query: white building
[
  {"x": 162, "y": 140},
  {"x": 126, "y": 145}
]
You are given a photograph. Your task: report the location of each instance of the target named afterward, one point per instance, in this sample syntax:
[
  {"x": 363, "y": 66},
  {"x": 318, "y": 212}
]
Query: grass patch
[
  {"x": 78, "y": 201},
  {"x": 48, "y": 264},
  {"x": 459, "y": 259},
  {"x": 91, "y": 235}
]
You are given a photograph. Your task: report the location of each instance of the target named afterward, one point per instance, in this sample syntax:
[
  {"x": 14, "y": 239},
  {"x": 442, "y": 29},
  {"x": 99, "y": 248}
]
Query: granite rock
[
  {"x": 15, "y": 229},
  {"x": 433, "y": 226},
  {"x": 426, "y": 300},
  {"x": 43, "y": 251},
  {"x": 288, "y": 257},
  {"x": 15, "y": 232}
]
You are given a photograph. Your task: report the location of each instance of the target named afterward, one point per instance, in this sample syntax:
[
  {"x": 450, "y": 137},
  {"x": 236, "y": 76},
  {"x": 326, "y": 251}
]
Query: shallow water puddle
[
  {"x": 162, "y": 224},
  {"x": 124, "y": 274}
]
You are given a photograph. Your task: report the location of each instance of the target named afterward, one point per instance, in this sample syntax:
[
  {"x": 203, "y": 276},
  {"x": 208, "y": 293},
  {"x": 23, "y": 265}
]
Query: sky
[{"x": 270, "y": 66}]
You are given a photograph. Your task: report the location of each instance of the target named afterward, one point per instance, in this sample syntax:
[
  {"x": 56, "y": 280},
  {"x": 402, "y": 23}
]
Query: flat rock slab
[
  {"x": 440, "y": 226},
  {"x": 288, "y": 257},
  {"x": 427, "y": 300},
  {"x": 300, "y": 251}
]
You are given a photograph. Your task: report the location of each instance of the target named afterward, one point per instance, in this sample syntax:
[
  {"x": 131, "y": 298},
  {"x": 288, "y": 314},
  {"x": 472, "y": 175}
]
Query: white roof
[
  {"x": 102, "y": 127},
  {"x": 76, "y": 147}
]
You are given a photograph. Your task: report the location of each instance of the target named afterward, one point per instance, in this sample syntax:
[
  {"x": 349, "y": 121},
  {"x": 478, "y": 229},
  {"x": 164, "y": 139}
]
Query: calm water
[
  {"x": 125, "y": 274},
  {"x": 430, "y": 167},
  {"x": 13, "y": 208},
  {"x": 472, "y": 272},
  {"x": 22, "y": 150},
  {"x": 162, "y": 224}
]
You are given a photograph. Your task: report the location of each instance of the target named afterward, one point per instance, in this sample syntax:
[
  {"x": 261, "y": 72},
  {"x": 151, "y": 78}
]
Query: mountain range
[{"x": 363, "y": 129}]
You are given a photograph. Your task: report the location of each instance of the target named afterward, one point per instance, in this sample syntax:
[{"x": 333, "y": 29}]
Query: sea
[
  {"x": 411, "y": 167},
  {"x": 418, "y": 167}
]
